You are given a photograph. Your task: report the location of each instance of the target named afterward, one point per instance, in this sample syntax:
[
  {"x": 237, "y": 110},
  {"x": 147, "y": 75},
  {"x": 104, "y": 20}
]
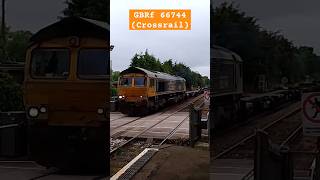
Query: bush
[{"x": 11, "y": 96}]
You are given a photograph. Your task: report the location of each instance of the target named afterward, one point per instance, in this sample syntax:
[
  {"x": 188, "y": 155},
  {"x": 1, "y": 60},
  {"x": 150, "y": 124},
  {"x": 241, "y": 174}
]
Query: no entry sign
[
  {"x": 311, "y": 113},
  {"x": 206, "y": 97}
]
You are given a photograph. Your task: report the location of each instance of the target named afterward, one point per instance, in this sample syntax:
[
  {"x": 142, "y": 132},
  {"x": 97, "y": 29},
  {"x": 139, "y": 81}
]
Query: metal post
[
  {"x": 258, "y": 151},
  {"x": 192, "y": 133},
  {"x": 3, "y": 28},
  {"x": 194, "y": 125},
  {"x": 198, "y": 124},
  {"x": 316, "y": 175},
  {"x": 271, "y": 161},
  {"x": 287, "y": 164}
]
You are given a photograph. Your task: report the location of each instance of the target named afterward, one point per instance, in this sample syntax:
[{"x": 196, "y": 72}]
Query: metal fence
[{"x": 13, "y": 134}]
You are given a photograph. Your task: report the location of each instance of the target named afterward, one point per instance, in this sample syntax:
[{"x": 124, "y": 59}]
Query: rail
[
  {"x": 253, "y": 134},
  {"x": 150, "y": 127},
  {"x": 137, "y": 163}
]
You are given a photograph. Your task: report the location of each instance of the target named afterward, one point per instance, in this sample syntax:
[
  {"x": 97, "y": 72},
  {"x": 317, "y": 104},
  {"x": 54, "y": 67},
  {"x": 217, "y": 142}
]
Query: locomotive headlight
[
  {"x": 121, "y": 97},
  {"x": 33, "y": 112},
  {"x": 43, "y": 109},
  {"x": 100, "y": 111}
]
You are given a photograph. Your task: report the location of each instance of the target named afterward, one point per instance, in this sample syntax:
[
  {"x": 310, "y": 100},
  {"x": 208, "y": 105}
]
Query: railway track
[
  {"x": 179, "y": 108},
  {"x": 282, "y": 131},
  {"x": 122, "y": 116},
  {"x": 122, "y": 154},
  {"x": 250, "y": 137},
  {"x": 135, "y": 119}
]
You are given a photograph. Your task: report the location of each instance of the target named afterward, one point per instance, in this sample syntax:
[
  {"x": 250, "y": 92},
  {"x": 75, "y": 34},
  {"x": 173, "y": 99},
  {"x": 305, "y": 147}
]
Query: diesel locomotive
[
  {"x": 141, "y": 91},
  {"x": 66, "y": 91},
  {"x": 226, "y": 85},
  {"x": 228, "y": 101}
]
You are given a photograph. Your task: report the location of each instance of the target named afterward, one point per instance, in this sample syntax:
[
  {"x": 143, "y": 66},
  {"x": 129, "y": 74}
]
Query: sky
[
  {"x": 189, "y": 47},
  {"x": 33, "y": 15},
  {"x": 295, "y": 19}
]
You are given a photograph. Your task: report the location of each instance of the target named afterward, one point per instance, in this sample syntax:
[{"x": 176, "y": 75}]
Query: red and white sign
[
  {"x": 311, "y": 113},
  {"x": 206, "y": 96}
]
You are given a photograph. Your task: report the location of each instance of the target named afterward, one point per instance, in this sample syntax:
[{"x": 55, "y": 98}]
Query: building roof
[
  {"x": 154, "y": 74},
  {"x": 73, "y": 26}
]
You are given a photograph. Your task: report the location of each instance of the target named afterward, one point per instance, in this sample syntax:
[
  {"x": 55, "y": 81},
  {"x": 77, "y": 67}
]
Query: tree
[
  {"x": 146, "y": 61},
  {"x": 263, "y": 52},
  {"x": 309, "y": 61},
  {"x": 17, "y": 45},
  {"x": 206, "y": 81},
  {"x": 93, "y": 9},
  {"x": 167, "y": 66},
  {"x": 115, "y": 76},
  {"x": 10, "y": 94},
  {"x": 183, "y": 71},
  {"x": 149, "y": 62}
]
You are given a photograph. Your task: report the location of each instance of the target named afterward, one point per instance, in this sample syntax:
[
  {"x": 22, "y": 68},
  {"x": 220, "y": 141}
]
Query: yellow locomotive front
[
  {"x": 66, "y": 94},
  {"x": 141, "y": 91},
  {"x": 134, "y": 91}
]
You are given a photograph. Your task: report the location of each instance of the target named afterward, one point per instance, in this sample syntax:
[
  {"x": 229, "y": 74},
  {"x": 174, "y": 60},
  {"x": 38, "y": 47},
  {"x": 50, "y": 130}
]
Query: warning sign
[
  {"x": 311, "y": 113},
  {"x": 206, "y": 97}
]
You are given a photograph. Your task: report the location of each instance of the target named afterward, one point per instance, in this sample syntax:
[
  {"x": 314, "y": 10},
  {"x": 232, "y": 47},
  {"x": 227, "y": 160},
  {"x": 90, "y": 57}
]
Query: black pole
[{"x": 3, "y": 27}]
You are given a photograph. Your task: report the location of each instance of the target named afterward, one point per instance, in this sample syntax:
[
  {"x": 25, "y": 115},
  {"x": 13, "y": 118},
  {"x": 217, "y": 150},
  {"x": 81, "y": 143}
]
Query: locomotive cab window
[
  {"x": 125, "y": 81},
  {"x": 50, "y": 63},
  {"x": 139, "y": 81},
  {"x": 93, "y": 64}
]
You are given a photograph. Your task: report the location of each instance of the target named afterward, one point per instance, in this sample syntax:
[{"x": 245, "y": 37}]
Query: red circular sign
[
  {"x": 206, "y": 95},
  {"x": 311, "y": 100}
]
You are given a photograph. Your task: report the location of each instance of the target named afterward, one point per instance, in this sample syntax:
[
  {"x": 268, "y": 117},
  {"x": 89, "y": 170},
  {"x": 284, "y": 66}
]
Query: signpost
[
  {"x": 311, "y": 122},
  {"x": 206, "y": 97},
  {"x": 311, "y": 114}
]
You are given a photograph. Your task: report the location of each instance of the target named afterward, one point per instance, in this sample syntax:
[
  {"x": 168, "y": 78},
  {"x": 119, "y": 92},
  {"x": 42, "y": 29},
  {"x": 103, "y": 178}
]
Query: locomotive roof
[
  {"x": 223, "y": 53},
  {"x": 154, "y": 74},
  {"x": 73, "y": 26}
]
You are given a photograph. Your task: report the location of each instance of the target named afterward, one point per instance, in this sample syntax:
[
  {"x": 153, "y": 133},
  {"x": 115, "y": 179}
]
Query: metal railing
[{"x": 11, "y": 119}]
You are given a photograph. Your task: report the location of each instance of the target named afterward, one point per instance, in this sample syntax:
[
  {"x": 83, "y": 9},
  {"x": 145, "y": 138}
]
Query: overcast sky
[
  {"x": 32, "y": 15},
  {"x": 190, "y": 47},
  {"x": 297, "y": 20}
]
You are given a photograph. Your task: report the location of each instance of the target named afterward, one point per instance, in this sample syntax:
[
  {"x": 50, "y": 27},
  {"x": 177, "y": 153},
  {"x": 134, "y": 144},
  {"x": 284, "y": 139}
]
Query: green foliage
[
  {"x": 262, "y": 51},
  {"x": 11, "y": 96},
  {"x": 115, "y": 75},
  {"x": 168, "y": 67},
  {"x": 146, "y": 61},
  {"x": 93, "y": 9},
  {"x": 114, "y": 92},
  {"x": 2, "y": 45},
  {"x": 149, "y": 62},
  {"x": 17, "y": 45}
]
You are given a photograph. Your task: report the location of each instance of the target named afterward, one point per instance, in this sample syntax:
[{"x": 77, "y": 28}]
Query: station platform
[
  {"x": 240, "y": 169},
  {"x": 176, "y": 162},
  {"x": 28, "y": 170},
  {"x": 230, "y": 169}
]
